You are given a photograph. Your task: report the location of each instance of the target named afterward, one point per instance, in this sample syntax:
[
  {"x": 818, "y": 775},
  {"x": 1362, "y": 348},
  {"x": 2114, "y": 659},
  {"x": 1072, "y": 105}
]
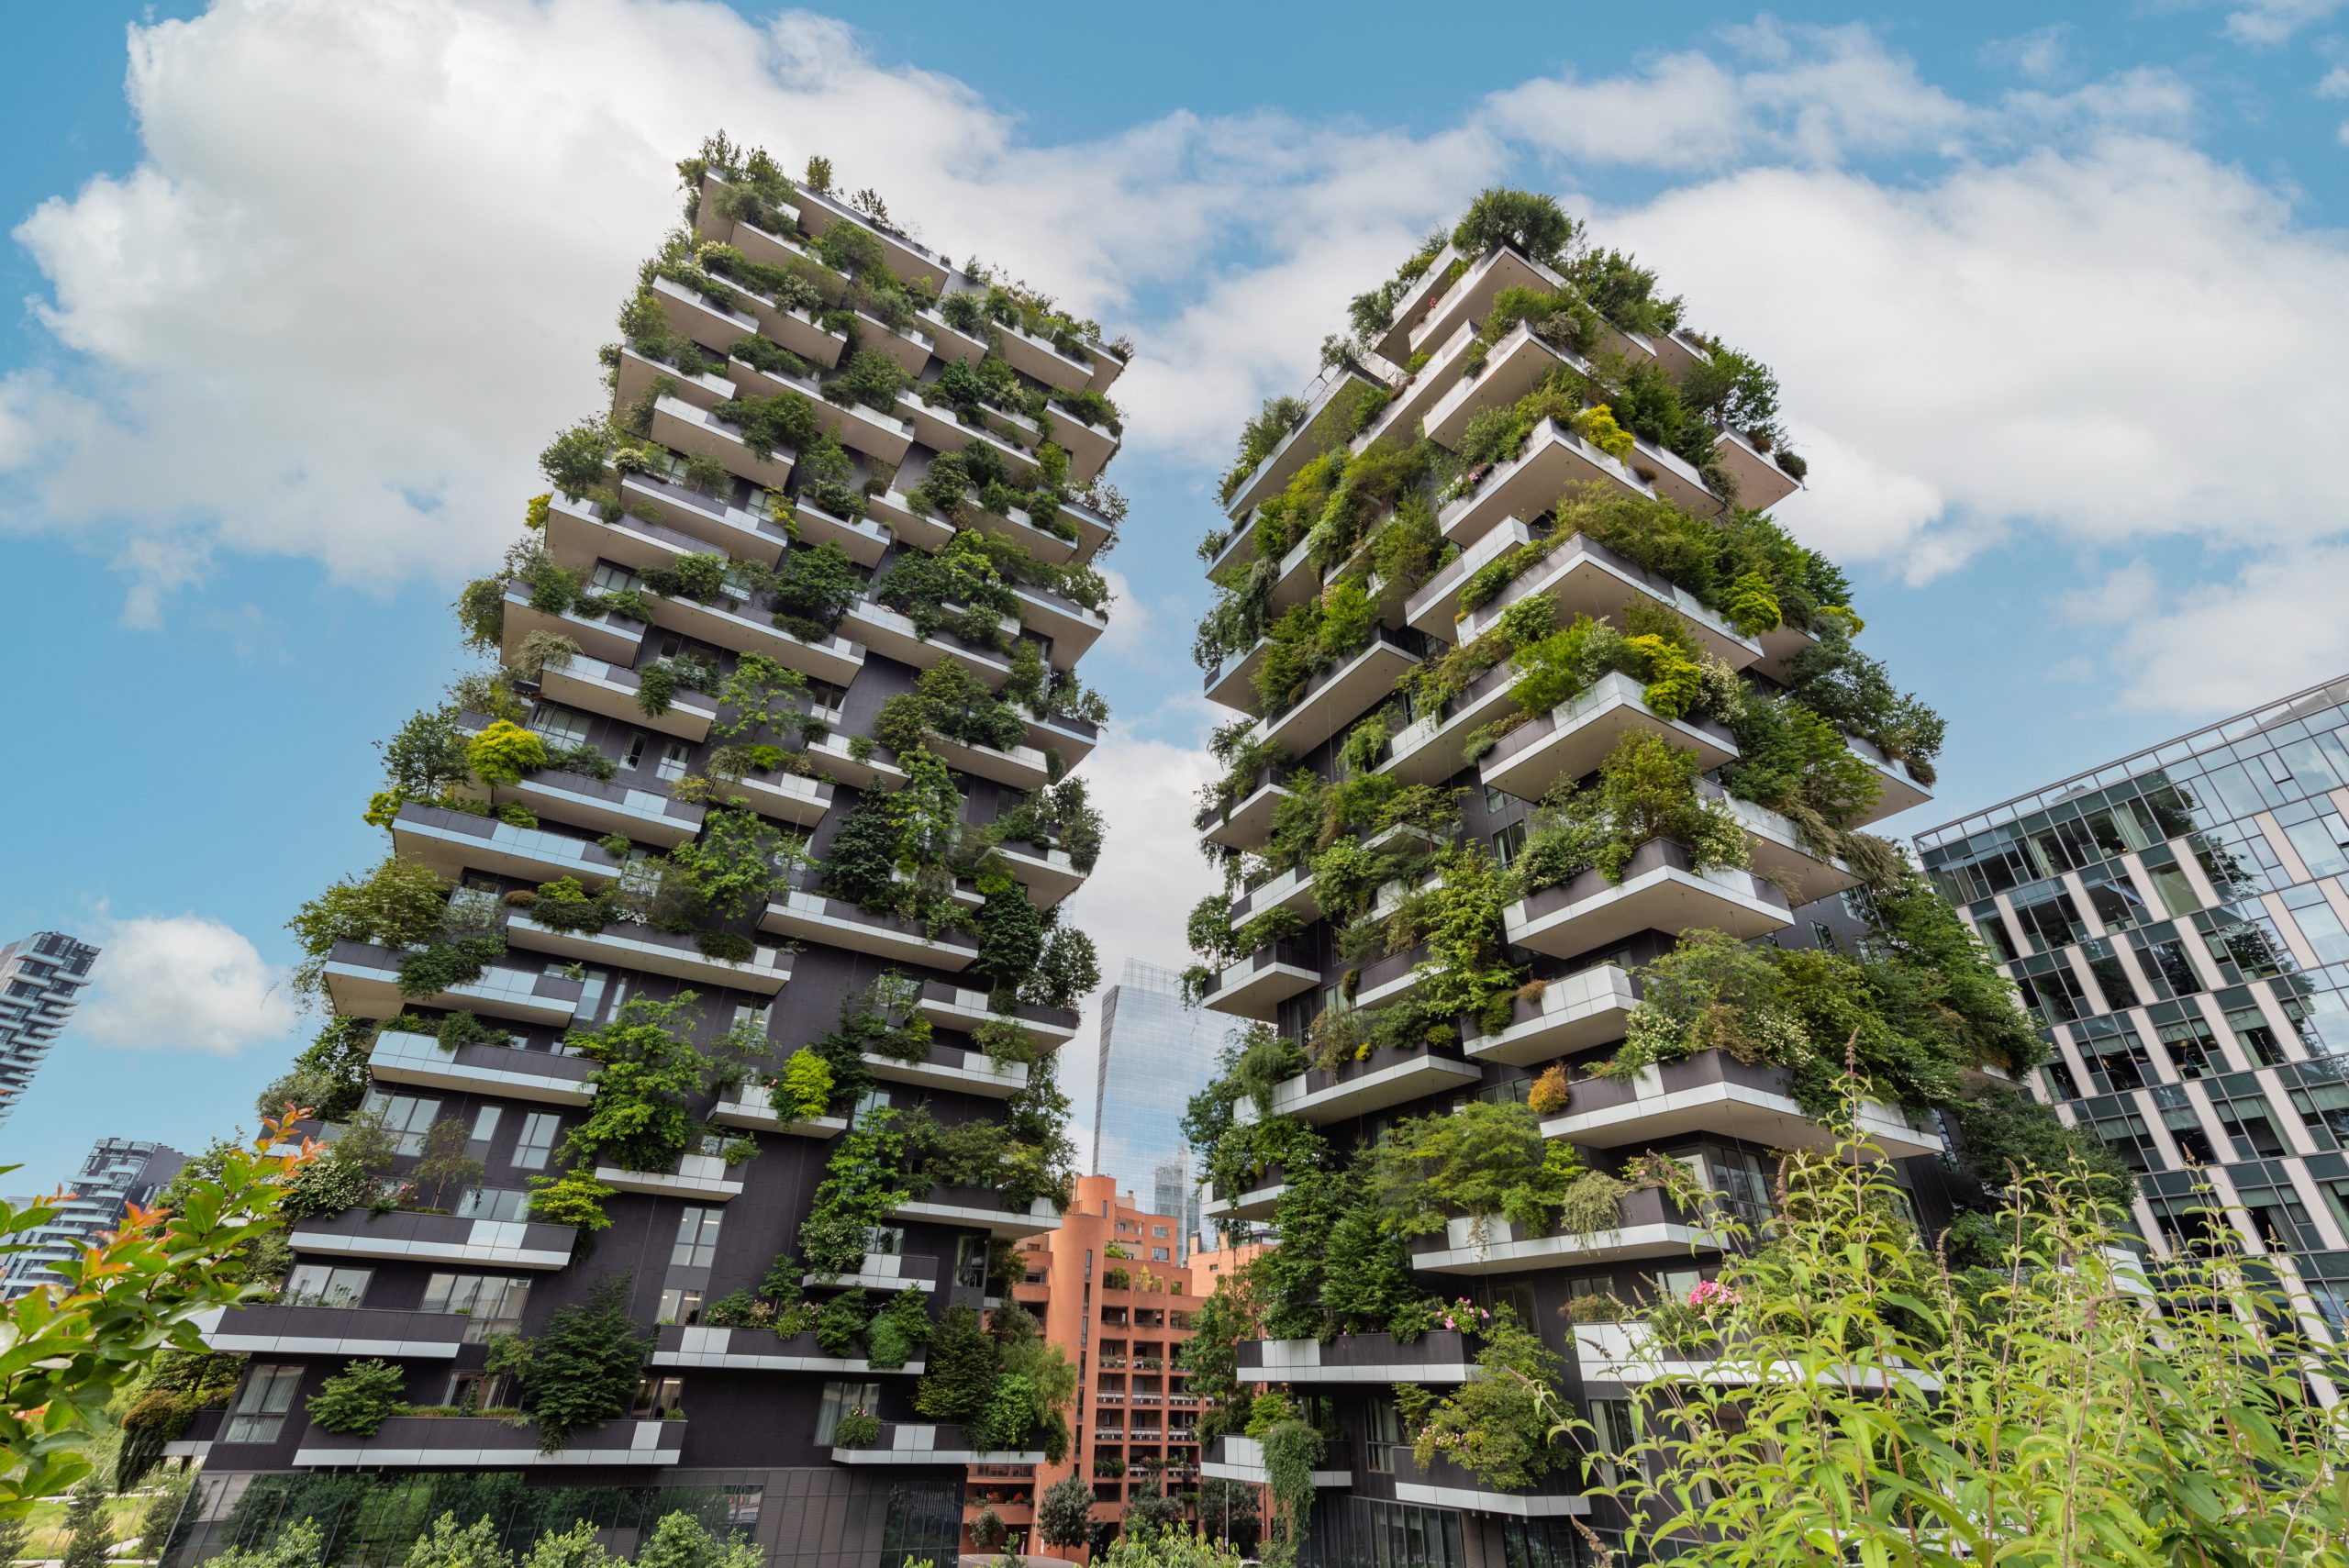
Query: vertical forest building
[
  {"x": 1549, "y": 901},
  {"x": 690, "y": 1063}
]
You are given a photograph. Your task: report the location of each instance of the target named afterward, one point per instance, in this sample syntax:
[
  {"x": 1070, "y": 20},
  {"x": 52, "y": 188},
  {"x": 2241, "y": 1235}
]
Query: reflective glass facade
[
  {"x": 2178, "y": 922},
  {"x": 41, "y": 978},
  {"x": 1155, "y": 1054}
]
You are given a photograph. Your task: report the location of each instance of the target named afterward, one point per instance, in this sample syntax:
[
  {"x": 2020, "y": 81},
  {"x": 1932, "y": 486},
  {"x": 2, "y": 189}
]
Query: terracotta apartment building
[{"x": 1108, "y": 1289}]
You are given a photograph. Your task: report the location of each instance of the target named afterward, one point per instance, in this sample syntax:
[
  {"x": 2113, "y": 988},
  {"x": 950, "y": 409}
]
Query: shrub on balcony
[
  {"x": 1487, "y": 1161},
  {"x": 356, "y": 1401},
  {"x": 1497, "y": 1427},
  {"x": 574, "y": 460},
  {"x": 1270, "y": 424},
  {"x": 958, "y": 590},
  {"x": 1646, "y": 791},
  {"x": 862, "y": 1183},
  {"x": 1116, "y": 1279},
  {"x": 726, "y": 947},
  {"x": 659, "y": 683},
  {"x": 813, "y": 587},
  {"x": 647, "y": 1071},
  {"x": 1531, "y": 221},
  {"x": 839, "y": 1323},
  {"x": 1854, "y": 693},
  {"x": 902, "y": 1327},
  {"x": 856, "y": 1429},
  {"x": 325, "y": 1187},
  {"x": 450, "y": 960},
  {"x": 563, "y": 905},
  {"x": 584, "y": 1368},
  {"x": 739, "y": 863},
  {"x": 871, "y": 379},
  {"x": 401, "y": 903}
]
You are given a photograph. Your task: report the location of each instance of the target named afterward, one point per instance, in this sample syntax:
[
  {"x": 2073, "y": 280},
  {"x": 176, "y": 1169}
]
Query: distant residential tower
[{"x": 42, "y": 977}]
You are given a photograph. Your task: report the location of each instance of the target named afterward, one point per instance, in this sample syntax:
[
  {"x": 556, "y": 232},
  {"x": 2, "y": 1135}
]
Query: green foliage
[
  {"x": 681, "y": 1540},
  {"x": 575, "y": 461},
  {"x": 502, "y": 753},
  {"x": 70, "y": 1352},
  {"x": 356, "y": 1400},
  {"x": 450, "y": 1545},
  {"x": 1064, "y": 1512},
  {"x": 449, "y": 962},
  {"x": 1854, "y": 693},
  {"x": 584, "y": 1368},
  {"x": 862, "y": 1182},
  {"x": 1646, "y": 791},
  {"x": 399, "y": 904},
  {"x": 739, "y": 863},
  {"x": 1482, "y": 1160},
  {"x": 1531, "y": 221},
  {"x": 804, "y": 1090},
  {"x": 89, "y": 1540},
  {"x": 813, "y": 587},
  {"x": 869, "y": 378},
  {"x": 778, "y": 420},
  {"x": 1498, "y": 1426}
]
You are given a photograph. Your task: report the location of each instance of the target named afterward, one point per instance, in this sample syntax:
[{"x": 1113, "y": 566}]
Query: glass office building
[
  {"x": 1155, "y": 1054},
  {"x": 2178, "y": 922}
]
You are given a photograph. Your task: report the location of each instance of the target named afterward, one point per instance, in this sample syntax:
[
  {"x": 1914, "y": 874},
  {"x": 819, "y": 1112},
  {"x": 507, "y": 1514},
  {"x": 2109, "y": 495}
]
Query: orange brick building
[{"x": 1109, "y": 1292}]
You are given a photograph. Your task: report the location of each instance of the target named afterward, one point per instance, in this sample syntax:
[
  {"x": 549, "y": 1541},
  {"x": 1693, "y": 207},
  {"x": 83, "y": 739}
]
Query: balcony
[
  {"x": 1431, "y": 748},
  {"x": 594, "y": 686},
  {"x": 860, "y": 427},
  {"x": 1761, "y": 483},
  {"x": 1714, "y": 1092},
  {"x": 862, "y": 539},
  {"x": 636, "y": 375},
  {"x": 952, "y": 344},
  {"x": 884, "y": 1272},
  {"x": 959, "y": 1008},
  {"x": 1232, "y": 683},
  {"x": 1388, "y": 976},
  {"x": 1021, "y": 767},
  {"x": 1583, "y": 577},
  {"x": 1419, "y": 392},
  {"x": 758, "y": 1114},
  {"x": 364, "y": 981},
  {"x": 403, "y": 1237},
  {"x": 452, "y": 841},
  {"x": 892, "y": 635},
  {"x": 501, "y": 1072},
  {"x": 942, "y": 427},
  {"x": 1775, "y": 847},
  {"x": 1235, "y": 1457},
  {"x": 1440, "y": 1355},
  {"x": 1039, "y": 356},
  {"x": 1658, "y": 892},
  {"x": 921, "y": 529},
  {"x": 689, "y": 1347},
  {"x": 1090, "y": 447},
  {"x": 290, "y": 1329},
  {"x": 1257, "y": 984},
  {"x": 1589, "y": 1007},
  {"x": 786, "y": 798},
  {"x": 607, "y": 636},
  {"x": 1471, "y": 296},
  {"x": 1072, "y": 627},
  {"x": 907, "y": 346},
  {"x": 1093, "y": 529},
  {"x": 979, "y": 1209},
  {"x": 644, "y": 815},
  {"x": 1391, "y": 1076},
  {"x": 1047, "y": 873},
  {"x": 1513, "y": 367},
  {"x": 1247, "y": 823},
  {"x": 1554, "y": 460},
  {"x": 489, "y": 1442},
  {"x": 1445, "y": 1485},
  {"x": 1256, "y": 1201},
  {"x": 813, "y": 918},
  {"x": 835, "y": 757},
  {"x": 1291, "y": 889},
  {"x": 906, "y": 257},
  {"x": 1329, "y": 408},
  {"x": 1337, "y": 696},
  {"x": 731, "y": 624},
  {"x": 697, "y": 432},
  {"x": 634, "y": 945},
  {"x": 1647, "y": 1226},
  {"x": 1901, "y": 788},
  {"x": 711, "y": 523},
  {"x": 953, "y": 1068},
  {"x": 1573, "y": 738},
  {"x": 699, "y": 1178},
  {"x": 1630, "y": 1355},
  {"x": 901, "y": 1443},
  {"x": 696, "y": 316}
]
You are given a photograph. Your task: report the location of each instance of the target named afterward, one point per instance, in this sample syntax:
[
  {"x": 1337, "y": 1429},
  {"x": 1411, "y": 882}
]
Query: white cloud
[
  {"x": 2265, "y": 22},
  {"x": 183, "y": 983},
  {"x": 2042, "y": 55},
  {"x": 2334, "y": 83},
  {"x": 2220, "y": 646},
  {"x": 2127, "y": 594}
]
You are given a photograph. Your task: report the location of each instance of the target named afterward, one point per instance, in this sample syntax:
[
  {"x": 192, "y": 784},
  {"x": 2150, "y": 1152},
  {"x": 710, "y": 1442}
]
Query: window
[
  {"x": 2177, "y": 893},
  {"x": 2191, "y": 1048},
  {"x": 2258, "y": 1041},
  {"x": 404, "y": 1118},
  {"x": 1384, "y": 1436},
  {"x": 2054, "y": 992},
  {"x": 2319, "y": 926},
  {"x": 2166, "y": 960},
  {"x": 559, "y": 726},
  {"x": 1824, "y": 935},
  {"x": 323, "y": 1284},
  {"x": 259, "y": 1413},
  {"x": 539, "y": 1130},
  {"x": 634, "y": 756},
  {"x": 675, "y": 757},
  {"x": 493, "y": 1303},
  {"x": 2111, "y": 975},
  {"x": 657, "y": 1396},
  {"x": 840, "y": 1399},
  {"x": 2322, "y": 845},
  {"x": 2125, "y": 1133},
  {"x": 679, "y": 1304},
  {"x": 2276, "y": 1212},
  {"x": 480, "y": 1391},
  {"x": 2050, "y": 920},
  {"x": 1616, "y": 1434},
  {"x": 607, "y": 578},
  {"x": 2242, "y": 1108},
  {"x": 2119, "y": 1062},
  {"x": 1161, "y": 1255},
  {"x": 969, "y": 1260},
  {"x": 495, "y": 1203},
  {"x": 1158, "y": 1230},
  {"x": 485, "y": 1124},
  {"x": 696, "y": 1244},
  {"x": 1508, "y": 842},
  {"x": 2324, "y": 1107}
]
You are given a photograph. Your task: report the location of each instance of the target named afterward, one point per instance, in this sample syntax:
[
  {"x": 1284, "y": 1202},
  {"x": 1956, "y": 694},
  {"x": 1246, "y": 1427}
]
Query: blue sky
[{"x": 2056, "y": 304}]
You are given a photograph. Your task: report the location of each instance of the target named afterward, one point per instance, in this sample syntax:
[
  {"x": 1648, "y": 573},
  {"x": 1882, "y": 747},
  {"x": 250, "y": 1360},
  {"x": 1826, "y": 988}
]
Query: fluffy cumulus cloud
[
  {"x": 354, "y": 283},
  {"x": 183, "y": 983}
]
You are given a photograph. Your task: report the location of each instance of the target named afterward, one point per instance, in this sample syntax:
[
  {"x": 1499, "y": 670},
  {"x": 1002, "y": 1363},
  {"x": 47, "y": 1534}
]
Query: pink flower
[{"x": 1447, "y": 1322}]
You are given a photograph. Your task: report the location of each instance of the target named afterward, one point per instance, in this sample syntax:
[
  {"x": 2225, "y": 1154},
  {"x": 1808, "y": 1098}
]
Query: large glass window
[
  {"x": 2111, "y": 974},
  {"x": 405, "y": 1116},
  {"x": 259, "y": 1413},
  {"x": 2241, "y": 1105},
  {"x": 493, "y": 1303},
  {"x": 324, "y": 1285},
  {"x": 2114, "y": 898},
  {"x": 539, "y": 1130},
  {"x": 841, "y": 1399},
  {"x": 2320, "y": 926},
  {"x": 696, "y": 1244},
  {"x": 2193, "y": 1049},
  {"x": 2050, "y": 919},
  {"x": 495, "y": 1203},
  {"x": 2322, "y": 844}
]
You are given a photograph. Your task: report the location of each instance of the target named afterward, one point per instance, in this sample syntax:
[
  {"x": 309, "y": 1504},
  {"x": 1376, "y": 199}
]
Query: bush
[
  {"x": 584, "y": 1368},
  {"x": 502, "y": 753},
  {"x": 1550, "y": 1093},
  {"x": 804, "y": 1090},
  {"x": 856, "y": 1429},
  {"x": 356, "y": 1400}
]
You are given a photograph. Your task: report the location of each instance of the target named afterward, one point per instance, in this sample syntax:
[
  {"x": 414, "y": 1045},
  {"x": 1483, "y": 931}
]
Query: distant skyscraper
[
  {"x": 42, "y": 977},
  {"x": 119, "y": 1172},
  {"x": 1155, "y": 1054}
]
